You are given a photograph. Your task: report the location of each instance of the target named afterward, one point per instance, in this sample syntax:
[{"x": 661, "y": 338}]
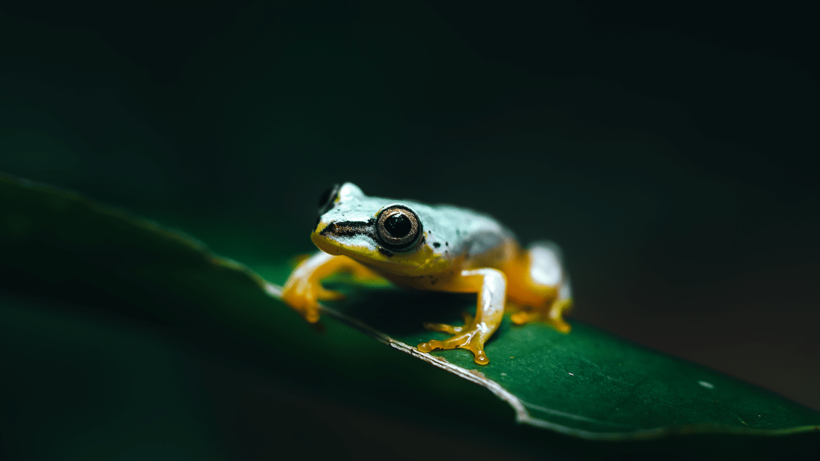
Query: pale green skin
[
  {"x": 452, "y": 236},
  {"x": 457, "y": 250}
]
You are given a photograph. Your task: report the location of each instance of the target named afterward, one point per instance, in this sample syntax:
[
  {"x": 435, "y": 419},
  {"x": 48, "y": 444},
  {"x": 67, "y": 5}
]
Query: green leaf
[{"x": 587, "y": 384}]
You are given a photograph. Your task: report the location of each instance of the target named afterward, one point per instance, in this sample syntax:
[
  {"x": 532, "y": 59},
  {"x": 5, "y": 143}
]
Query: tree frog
[{"x": 437, "y": 248}]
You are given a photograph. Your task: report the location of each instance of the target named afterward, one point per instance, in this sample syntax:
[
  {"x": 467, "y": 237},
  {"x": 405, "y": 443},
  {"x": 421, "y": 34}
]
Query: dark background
[{"x": 667, "y": 149}]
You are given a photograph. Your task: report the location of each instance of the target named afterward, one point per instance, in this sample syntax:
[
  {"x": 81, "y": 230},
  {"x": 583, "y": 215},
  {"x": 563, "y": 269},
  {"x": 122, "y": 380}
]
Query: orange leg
[
  {"x": 491, "y": 285},
  {"x": 303, "y": 289},
  {"x": 538, "y": 284}
]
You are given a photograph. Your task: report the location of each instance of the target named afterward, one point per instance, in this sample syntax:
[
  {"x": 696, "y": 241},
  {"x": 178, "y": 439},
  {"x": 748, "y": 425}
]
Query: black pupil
[{"x": 398, "y": 225}]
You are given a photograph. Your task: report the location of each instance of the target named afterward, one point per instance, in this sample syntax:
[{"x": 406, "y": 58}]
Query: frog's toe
[
  {"x": 308, "y": 311},
  {"x": 469, "y": 341},
  {"x": 560, "y": 325},
  {"x": 431, "y": 345},
  {"x": 556, "y": 321},
  {"x": 329, "y": 295},
  {"x": 311, "y": 315},
  {"x": 553, "y": 316},
  {"x": 444, "y": 328},
  {"x": 524, "y": 317},
  {"x": 304, "y": 303},
  {"x": 451, "y": 329},
  {"x": 556, "y": 315}
]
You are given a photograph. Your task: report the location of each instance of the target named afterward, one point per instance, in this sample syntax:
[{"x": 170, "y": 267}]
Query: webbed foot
[
  {"x": 303, "y": 296},
  {"x": 453, "y": 330},
  {"x": 554, "y": 316},
  {"x": 467, "y": 336}
]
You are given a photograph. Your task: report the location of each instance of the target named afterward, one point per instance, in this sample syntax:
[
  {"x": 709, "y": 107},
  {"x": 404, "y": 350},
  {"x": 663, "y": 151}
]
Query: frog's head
[{"x": 378, "y": 232}]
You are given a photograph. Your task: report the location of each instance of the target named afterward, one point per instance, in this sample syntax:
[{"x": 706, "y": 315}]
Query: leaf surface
[{"x": 587, "y": 384}]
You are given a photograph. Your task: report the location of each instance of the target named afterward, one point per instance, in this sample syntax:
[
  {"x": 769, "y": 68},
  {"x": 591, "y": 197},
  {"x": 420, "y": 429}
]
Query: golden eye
[{"x": 398, "y": 227}]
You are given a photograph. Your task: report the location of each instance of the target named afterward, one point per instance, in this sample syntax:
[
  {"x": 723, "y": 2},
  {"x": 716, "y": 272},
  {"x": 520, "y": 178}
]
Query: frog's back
[
  {"x": 437, "y": 248},
  {"x": 434, "y": 239},
  {"x": 469, "y": 236}
]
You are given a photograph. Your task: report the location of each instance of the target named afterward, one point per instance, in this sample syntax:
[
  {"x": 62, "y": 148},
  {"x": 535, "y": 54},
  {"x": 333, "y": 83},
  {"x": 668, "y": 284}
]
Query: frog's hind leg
[{"x": 538, "y": 283}]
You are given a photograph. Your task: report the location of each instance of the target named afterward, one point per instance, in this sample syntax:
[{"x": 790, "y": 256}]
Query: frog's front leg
[
  {"x": 491, "y": 286},
  {"x": 303, "y": 289}
]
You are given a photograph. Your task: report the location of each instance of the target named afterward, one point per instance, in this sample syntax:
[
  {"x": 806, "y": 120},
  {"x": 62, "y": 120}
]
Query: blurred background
[{"x": 668, "y": 149}]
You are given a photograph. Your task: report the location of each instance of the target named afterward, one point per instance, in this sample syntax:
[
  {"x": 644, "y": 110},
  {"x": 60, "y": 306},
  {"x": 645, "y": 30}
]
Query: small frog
[{"x": 437, "y": 248}]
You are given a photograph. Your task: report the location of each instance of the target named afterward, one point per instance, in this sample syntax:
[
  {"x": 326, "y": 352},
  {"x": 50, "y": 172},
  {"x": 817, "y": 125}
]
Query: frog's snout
[
  {"x": 318, "y": 230},
  {"x": 321, "y": 241}
]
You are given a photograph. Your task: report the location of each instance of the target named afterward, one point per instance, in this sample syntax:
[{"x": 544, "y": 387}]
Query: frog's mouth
[
  {"x": 357, "y": 240},
  {"x": 350, "y": 238}
]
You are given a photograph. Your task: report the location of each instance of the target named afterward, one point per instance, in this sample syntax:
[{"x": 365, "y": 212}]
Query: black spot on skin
[
  {"x": 385, "y": 252},
  {"x": 447, "y": 243},
  {"x": 436, "y": 244},
  {"x": 433, "y": 282}
]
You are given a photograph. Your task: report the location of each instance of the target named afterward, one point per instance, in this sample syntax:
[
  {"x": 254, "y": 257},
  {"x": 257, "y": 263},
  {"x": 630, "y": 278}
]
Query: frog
[{"x": 439, "y": 248}]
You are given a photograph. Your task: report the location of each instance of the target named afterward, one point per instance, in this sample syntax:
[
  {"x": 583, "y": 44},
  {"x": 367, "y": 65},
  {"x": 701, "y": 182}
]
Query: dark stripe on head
[{"x": 351, "y": 228}]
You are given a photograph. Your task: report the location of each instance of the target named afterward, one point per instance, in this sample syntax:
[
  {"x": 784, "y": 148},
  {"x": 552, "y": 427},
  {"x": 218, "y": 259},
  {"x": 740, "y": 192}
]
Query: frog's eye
[
  {"x": 327, "y": 199},
  {"x": 398, "y": 227}
]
